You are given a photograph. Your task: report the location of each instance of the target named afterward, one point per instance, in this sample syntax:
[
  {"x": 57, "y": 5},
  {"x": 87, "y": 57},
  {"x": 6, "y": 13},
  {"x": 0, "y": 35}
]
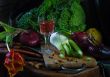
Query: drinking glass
[{"x": 46, "y": 28}]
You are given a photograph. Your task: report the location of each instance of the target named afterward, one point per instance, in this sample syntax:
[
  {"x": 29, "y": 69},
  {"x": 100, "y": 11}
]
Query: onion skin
[
  {"x": 82, "y": 40},
  {"x": 30, "y": 38}
]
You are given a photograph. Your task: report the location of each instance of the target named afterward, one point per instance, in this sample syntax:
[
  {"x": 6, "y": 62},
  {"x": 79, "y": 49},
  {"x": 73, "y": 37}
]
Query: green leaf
[
  {"x": 9, "y": 39},
  {"x": 7, "y": 27},
  {"x": 3, "y": 35},
  {"x": 9, "y": 33},
  {"x": 6, "y": 37}
]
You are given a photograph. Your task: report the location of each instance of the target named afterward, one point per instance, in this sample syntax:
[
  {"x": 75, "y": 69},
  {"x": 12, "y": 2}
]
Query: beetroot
[{"x": 30, "y": 38}]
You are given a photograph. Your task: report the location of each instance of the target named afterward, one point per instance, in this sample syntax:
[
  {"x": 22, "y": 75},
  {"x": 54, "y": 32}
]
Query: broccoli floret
[{"x": 23, "y": 22}]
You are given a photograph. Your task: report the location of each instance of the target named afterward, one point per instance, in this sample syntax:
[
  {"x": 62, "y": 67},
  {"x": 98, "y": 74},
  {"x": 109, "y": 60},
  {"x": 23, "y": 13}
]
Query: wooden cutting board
[
  {"x": 53, "y": 61},
  {"x": 89, "y": 72}
]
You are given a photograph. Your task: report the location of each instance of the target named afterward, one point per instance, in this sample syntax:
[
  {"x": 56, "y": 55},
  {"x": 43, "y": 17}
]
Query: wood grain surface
[{"x": 89, "y": 72}]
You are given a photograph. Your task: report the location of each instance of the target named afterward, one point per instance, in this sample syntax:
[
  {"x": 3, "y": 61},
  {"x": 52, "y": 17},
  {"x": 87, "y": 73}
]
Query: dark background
[{"x": 9, "y": 9}]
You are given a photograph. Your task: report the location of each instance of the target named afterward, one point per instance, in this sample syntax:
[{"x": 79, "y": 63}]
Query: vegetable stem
[{"x": 8, "y": 47}]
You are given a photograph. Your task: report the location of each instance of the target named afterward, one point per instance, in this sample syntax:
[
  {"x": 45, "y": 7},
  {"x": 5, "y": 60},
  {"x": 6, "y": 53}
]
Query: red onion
[
  {"x": 81, "y": 38},
  {"x": 30, "y": 38}
]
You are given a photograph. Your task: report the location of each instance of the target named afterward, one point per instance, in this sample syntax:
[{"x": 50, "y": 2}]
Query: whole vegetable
[
  {"x": 68, "y": 15},
  {"x": 95, "y": 36},
  {"x": 89, "y": 46},
  {"x": 66, "y": 46},
  {"x": 81, "y": 38},
  {"x": 77, "y": 51},
  {"x": 30, "y": 38}
]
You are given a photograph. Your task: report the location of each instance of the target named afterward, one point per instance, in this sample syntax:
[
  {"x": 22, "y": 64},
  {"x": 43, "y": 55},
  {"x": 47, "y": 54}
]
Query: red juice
[{"x": 47, "y": 27}]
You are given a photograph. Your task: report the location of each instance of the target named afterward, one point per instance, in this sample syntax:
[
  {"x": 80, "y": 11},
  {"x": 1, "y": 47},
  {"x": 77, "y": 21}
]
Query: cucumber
[
  {"x": 71, "y": 53},
  {"x": 68, "y": 49},
  {"x": 78, "y": 52}
]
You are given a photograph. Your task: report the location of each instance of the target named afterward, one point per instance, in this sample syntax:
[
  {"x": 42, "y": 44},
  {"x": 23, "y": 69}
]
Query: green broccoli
[{"x": 68, "y": 15}]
